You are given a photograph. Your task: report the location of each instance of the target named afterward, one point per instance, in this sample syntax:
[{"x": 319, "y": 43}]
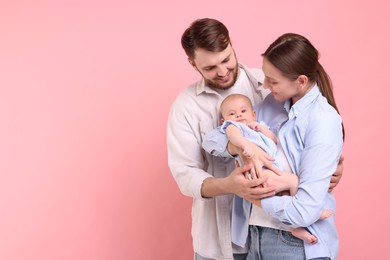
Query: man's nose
[{"x": 222, "y": 71}]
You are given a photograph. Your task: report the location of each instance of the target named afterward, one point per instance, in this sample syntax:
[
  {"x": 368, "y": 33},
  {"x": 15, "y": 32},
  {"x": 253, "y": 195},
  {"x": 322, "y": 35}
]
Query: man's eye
[
  {"x": 231, "y": 114},
  {"x": 243, "y": 111},
  {"x": 209, "y": 68}
]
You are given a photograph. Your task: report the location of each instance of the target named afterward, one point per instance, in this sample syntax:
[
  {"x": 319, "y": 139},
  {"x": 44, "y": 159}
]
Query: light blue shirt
[
  {"x": 310, "y": 133},
  {"x": 215, "y": 141}
]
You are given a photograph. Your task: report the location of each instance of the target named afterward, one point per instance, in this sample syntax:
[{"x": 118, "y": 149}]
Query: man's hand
[
  {"x": 336, "y": 177},
  {"x": 259, "y": 160},
  {"x": 239, "y": 184}
]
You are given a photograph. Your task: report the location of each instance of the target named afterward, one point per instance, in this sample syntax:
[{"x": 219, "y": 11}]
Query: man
[{"x": 210, "y": 180}]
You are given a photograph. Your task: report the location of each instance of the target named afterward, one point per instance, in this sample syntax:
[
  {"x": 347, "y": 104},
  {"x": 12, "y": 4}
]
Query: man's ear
[
  {"x": 222, "y": 120},
  {"x": 192, "y": 62}
]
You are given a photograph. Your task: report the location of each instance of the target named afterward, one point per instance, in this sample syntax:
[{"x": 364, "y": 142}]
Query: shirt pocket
[{"x": 206, "y": 126}]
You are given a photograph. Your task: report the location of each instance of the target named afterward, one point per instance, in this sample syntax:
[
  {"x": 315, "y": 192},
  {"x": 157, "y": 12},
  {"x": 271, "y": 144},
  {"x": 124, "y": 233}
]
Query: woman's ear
[{"x": 302, "y": 81}]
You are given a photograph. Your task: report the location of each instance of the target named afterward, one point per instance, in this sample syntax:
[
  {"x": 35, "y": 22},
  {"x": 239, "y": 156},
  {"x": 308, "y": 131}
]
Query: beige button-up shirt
[{"x": 194, "y": 113}]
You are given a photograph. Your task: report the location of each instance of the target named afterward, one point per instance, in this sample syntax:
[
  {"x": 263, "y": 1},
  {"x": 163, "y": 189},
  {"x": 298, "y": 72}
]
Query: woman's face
[{"x": 281, "y": 87}]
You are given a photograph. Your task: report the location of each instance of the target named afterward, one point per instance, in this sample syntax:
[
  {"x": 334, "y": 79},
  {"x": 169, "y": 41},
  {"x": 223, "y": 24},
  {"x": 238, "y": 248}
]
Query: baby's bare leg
[{"x": 305, "y": 235}]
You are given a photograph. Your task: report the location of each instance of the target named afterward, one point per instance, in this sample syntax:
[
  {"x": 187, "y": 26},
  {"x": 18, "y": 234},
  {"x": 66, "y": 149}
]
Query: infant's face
[{"x": 238, "y": 110}]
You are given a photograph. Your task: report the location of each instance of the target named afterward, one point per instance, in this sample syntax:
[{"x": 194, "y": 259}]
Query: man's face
[{"x": 219, "y": 69}]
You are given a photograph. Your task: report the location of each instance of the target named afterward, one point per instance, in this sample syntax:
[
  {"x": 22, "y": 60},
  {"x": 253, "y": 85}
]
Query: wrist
[
  {"x": 212, "y": 187},
  {"x": 292, "y": 183}
]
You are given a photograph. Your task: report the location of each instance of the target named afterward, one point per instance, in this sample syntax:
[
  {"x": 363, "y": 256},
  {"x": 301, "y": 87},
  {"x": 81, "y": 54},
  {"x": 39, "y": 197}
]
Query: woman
[{"x": 303, "y": 112}]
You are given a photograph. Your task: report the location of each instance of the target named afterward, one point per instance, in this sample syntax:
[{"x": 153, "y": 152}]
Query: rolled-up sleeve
[
  {"x": 185, "y": 158},
  {"x": 215, "y": 143}
]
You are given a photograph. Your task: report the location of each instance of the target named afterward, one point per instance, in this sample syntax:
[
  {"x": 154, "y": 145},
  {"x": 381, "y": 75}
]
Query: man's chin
[{"x": 224, "y": 86}]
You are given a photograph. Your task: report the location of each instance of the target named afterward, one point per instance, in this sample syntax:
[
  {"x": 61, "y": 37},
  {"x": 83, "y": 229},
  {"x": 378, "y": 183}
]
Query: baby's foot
[
  {"x": 326, "y": 213},
  {"x": 305, "y": 235}
]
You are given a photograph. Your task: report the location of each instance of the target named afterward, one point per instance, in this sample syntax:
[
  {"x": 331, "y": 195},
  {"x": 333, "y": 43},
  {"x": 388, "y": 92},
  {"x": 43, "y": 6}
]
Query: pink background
[{"x": 86, "y": 88}]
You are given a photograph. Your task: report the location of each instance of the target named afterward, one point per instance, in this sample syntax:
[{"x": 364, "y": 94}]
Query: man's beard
[{"x": 215, "y": 85}]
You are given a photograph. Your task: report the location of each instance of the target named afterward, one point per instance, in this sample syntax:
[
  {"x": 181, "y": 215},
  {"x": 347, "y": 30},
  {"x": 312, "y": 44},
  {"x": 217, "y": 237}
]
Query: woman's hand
[
  {"x": 284, "y": 183},
  {"x": 336, "y": 177}
]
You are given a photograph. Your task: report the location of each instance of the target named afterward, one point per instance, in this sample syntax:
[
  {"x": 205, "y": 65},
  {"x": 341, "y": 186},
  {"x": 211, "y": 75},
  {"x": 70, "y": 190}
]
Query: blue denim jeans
[
  {"x": 235, "y": 256},
  {"x": 272, "y": 244}
]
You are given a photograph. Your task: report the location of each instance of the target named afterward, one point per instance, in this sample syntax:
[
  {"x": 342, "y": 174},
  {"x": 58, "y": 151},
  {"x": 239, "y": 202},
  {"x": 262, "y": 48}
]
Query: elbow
[
  {"x": 307, "y": 222},
  {"x": 302, "y": 218},
  {"x": 298, "y": 222}
]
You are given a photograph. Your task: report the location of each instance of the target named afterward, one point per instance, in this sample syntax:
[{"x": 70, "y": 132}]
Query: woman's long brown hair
[{"x": 294, "y": 55}]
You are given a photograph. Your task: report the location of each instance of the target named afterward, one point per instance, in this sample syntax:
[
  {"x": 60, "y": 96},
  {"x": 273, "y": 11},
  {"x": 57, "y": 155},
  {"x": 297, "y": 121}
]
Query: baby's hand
[
  {"x": 247, "y": 151},
  {"x": 254, "y": 125}
]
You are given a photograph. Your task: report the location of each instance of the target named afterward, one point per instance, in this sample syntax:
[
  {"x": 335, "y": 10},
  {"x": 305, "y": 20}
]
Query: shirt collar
[{"x": 303, "y": 103}]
